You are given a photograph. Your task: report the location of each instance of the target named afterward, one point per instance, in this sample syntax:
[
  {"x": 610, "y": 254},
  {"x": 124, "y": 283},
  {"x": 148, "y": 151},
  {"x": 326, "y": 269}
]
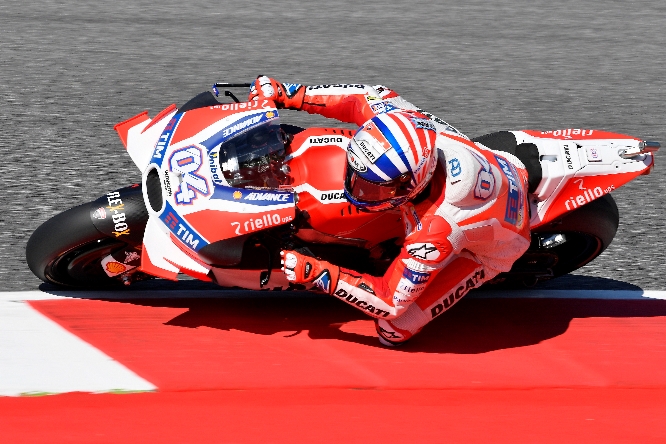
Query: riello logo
[{"x": 587, "y": 196}]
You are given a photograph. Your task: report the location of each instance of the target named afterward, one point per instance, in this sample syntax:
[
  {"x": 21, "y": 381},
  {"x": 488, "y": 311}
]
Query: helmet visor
[{"x": 374, "y": 192}]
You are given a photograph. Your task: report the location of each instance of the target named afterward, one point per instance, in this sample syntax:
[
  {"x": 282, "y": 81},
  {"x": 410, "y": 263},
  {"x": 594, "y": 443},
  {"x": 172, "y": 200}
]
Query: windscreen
[{"x": 255, "y": 157}]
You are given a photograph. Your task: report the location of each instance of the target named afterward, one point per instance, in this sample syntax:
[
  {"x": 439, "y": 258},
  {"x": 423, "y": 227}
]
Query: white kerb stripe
[{"x": 39, "y": 356}]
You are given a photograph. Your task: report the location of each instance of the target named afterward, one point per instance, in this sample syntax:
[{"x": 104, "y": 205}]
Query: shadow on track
[{"x": 475, "y": 325}]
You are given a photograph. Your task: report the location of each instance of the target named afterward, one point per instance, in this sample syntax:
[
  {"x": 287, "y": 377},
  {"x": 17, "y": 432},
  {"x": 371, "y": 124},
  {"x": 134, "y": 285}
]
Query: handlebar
[{"x": 228, "y": 85}]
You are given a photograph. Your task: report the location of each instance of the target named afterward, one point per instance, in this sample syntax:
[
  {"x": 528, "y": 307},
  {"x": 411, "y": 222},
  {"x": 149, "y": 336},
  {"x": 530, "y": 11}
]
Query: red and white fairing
[
  {"x": 580, "y": 165},
  {"x": 178, "y": 152},
  {"x": 197, "y": 208}
]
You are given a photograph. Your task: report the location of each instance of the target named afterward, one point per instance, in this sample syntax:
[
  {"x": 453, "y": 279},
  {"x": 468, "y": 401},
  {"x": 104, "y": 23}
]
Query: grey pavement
[{"x": 71, "y": 70}]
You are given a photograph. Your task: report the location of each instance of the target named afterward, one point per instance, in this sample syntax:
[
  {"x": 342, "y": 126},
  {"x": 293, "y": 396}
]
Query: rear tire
[
  {"x": 588, "y": 230},
  {"x": 67, "y": 250}
]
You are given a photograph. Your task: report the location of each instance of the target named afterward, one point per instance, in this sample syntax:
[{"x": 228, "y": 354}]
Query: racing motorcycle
[{"x": 226, "y": 186}]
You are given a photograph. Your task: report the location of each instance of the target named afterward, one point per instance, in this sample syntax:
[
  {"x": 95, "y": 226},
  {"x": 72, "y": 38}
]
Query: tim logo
[{"x": 186, "y": 162}]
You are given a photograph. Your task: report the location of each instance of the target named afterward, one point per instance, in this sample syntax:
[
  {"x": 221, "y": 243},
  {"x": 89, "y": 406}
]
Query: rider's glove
[
  {"x": 285, "y": 95},
  {"x": 301, "y": 269}
]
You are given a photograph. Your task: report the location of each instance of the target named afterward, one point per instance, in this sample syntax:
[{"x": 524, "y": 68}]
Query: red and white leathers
[{"x": 473, "y": 225}]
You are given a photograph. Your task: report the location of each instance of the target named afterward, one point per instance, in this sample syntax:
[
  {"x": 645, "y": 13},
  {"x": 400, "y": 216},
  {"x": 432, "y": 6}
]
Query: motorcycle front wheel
[{"x": 67, "y": 250}]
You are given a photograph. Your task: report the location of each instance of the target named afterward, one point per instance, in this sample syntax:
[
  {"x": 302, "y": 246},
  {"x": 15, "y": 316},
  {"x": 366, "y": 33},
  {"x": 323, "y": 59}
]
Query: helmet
[{"x": 390, "y": 160}]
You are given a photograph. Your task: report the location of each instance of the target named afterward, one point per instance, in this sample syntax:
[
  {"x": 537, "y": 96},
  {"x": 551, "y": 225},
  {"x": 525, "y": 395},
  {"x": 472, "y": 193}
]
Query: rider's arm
[
  {"x": 425, "y": 253},
  {"x": 352, "y": 103},
  {"x": 347, "y": 103}
]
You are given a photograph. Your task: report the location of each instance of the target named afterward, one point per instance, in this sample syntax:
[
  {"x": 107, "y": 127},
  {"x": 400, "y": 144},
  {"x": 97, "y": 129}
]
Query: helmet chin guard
[{"x": 390, "y": 160}]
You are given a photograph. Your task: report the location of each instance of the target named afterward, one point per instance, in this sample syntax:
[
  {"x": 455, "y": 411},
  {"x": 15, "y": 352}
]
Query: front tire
[{"x": 67, "y": 250}]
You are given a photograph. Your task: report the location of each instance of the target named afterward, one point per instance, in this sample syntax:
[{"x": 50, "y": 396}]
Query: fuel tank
[{"x": 317, "y": 159}]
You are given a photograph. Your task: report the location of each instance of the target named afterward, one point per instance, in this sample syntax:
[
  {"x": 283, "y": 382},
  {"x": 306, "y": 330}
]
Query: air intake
[{"x": 154, "y": 191}]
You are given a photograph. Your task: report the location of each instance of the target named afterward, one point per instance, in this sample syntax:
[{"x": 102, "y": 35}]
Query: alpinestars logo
[
  {"x": 323, "y": 282},
  {"x": 389, "y": 334},
  {"x": 290, "y": 89},
  {"x": 427, "y": 251}
]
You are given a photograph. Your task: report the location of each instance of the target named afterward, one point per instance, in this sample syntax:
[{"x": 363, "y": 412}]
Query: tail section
[
  {"x": 580, "y": 165},
  {"x": 576, "y": 166}
]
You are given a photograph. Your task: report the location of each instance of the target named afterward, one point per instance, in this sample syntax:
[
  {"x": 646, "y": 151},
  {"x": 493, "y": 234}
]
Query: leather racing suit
[{"x": 473, "y": 224}]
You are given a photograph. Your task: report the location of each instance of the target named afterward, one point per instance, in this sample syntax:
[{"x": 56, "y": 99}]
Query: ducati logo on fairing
[
  {"x": 324, "y": 140},
  {"x": 100, "y": 213},
  {"x": 567, "y": 157},
  {"x": 332, "y": 196}
]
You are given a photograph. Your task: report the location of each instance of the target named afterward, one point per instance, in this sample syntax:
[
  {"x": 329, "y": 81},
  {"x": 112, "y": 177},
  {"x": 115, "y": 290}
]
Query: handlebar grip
[
  {"x": 228, "y": 85},
  {"x": 232, "y": 85}
]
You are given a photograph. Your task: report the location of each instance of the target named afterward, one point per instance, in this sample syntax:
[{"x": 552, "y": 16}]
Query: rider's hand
[
  {"x": 265, "y": 88},
  {"x": 301, "y": 269},
  {"x": 288, "y": 95}
]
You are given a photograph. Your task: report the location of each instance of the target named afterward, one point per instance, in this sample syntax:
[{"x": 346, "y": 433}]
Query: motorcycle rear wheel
[
  {"x": 67, "y": 250},
  {"x": 588, "y": 231}
]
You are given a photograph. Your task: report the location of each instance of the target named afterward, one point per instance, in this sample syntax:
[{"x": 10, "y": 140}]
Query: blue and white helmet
[{"x": 390, "y": 160}]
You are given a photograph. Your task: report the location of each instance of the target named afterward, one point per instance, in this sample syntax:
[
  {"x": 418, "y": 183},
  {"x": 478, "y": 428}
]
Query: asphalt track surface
[
  {"x": 70, "y": 71},
  {"x": 204, "y": 366}
]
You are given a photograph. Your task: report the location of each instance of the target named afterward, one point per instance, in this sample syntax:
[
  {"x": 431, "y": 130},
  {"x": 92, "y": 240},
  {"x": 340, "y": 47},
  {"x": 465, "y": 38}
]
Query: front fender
[{"x": 121, "y": 214}]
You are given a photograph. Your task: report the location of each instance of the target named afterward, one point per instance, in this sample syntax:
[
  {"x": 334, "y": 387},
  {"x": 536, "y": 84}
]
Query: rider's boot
[{"x": 390, "y": 335}]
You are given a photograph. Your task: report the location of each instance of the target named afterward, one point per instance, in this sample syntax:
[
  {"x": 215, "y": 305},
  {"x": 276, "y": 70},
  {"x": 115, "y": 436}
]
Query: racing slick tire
[
  {"x": 588, "y": 230},
  {"x": 67, "y": 250},
  {"x": 586, "y": 233}
]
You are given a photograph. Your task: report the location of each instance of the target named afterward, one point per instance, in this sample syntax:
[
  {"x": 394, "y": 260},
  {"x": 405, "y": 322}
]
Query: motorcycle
[{"x": 226, "y": 186}]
